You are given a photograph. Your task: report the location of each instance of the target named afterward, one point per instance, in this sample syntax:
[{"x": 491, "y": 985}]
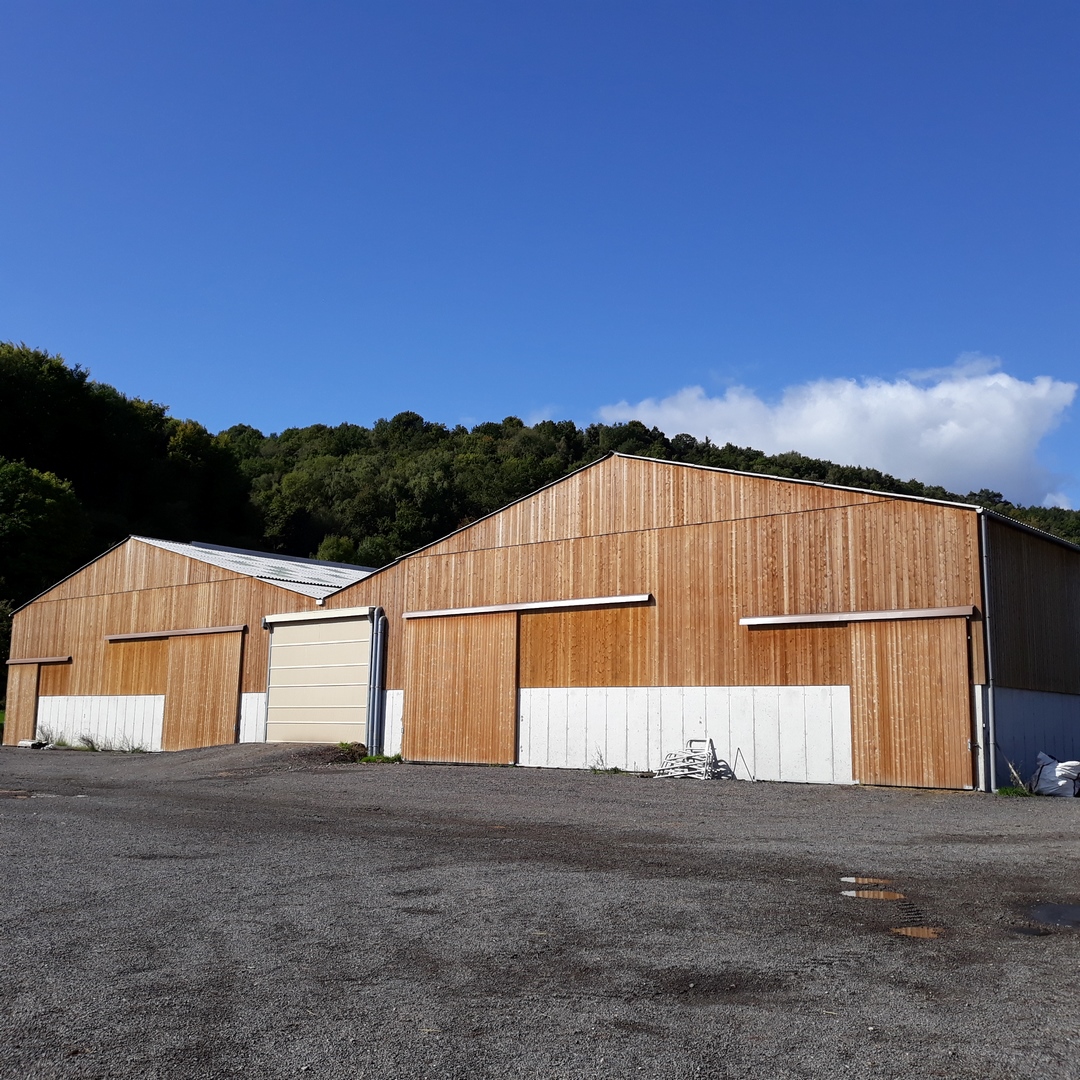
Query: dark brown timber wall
[
  {"x": 1035, "y": 611},
  {"x": 710, "y": 547}
]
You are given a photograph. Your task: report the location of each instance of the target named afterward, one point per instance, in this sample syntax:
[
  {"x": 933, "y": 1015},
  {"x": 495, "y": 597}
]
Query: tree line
[{"x": 82, "y": 466}]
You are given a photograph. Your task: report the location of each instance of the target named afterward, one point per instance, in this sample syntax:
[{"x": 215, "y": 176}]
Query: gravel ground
[{"x": 259, "y": 911}]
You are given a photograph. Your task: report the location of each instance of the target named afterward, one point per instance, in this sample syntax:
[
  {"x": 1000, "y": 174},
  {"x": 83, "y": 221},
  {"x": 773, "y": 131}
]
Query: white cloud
[{"x": 966, "y": 427}]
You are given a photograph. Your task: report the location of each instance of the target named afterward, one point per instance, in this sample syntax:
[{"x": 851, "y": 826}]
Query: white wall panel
[
  {"x": 577, "y": 728},
  {"x": 819, "y": 756},
  {"x": 767, "y": 733},
  {"x": 799, "y": 733},
  {"x": 791, "y": 712},
  {"x": 637, "y": 723},
  {"x": 253, "y": 718},
  {"x": 740, "y": 754},
  {"x": 596, "y": 725},
  {"x": 395, "y": 708},
  {"x": 129, "y": 722},
  {"x": 1027, "y": 721}
]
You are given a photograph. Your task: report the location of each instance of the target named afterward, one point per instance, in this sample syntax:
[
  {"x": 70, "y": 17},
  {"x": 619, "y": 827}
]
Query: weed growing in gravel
[
  {"x": 599, "y": 766},
  {"x": 355, "y": 753},
  {"x": 1012, "y": 790}
]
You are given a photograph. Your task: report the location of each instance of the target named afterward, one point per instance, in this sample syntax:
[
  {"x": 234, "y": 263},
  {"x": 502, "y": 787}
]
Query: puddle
[
  {"x": 1056, "y": 915},
  {"x": 913, "y": 920}
]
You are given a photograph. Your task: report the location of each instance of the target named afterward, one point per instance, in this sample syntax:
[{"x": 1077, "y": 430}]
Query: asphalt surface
[{"x": 256, "y": 911}]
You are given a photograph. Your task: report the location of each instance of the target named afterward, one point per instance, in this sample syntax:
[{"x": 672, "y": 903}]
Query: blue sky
[{"x": 852, "y": 227}]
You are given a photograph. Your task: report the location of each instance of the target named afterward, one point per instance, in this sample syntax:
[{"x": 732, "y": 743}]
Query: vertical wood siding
[
  {"x": 711, "y": 548},
  {"x": 20, "y": 720},
  {"x": 202, "y": 702},
  {"x": 139, "y": 588},
  {"x": 1035, "y": 611},
  {"x": 461, "y": 689},
  {"x": 911, "y": 703},
  {"x": 589, "y": 647}
]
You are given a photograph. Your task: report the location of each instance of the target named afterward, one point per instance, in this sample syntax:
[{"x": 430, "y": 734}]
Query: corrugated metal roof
[{"x": 310, "y": 577}]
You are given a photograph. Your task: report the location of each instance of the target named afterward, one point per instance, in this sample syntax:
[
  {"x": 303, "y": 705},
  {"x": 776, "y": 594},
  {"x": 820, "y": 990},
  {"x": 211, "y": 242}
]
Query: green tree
[{"x": 43, "y": 535}]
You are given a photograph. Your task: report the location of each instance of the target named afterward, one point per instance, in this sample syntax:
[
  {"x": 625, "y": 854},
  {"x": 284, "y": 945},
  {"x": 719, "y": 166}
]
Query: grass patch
[
  {"x": 1012, "y": 791},
  {"x": 355, "y": 753}
]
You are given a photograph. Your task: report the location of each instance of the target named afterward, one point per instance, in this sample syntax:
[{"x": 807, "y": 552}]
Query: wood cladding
[
  {"x": 20, "y": 720},
  {"x": 461, "y": 689},
  {"x": 627, "y": 494},
  {"x": 711, "y": 548},
  {"x": 869, "y": 556},
  {"x": 588, "y": 647},
  {"x": 1034, "y": 611},
  {"x": 137, "y": 588},
  {"x": 136, "y": 667},
  {"x": 911, "y": 704},
  {"x": 202, "y": 699}
]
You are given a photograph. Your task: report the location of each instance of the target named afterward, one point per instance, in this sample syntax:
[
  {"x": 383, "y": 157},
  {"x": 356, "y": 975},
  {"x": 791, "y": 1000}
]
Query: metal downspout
[
  {"x": 376, "y": 710},
  {"x": 989, "y": 734}
]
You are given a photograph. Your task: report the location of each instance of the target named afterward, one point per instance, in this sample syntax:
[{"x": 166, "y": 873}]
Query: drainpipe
[
  {"x": 376, "y": 710},
  {"x": 989, "y": 732}
]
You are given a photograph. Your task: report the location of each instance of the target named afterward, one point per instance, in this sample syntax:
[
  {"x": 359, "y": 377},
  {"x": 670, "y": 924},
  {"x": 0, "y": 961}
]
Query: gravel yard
[{"x": 257, "y": 911}]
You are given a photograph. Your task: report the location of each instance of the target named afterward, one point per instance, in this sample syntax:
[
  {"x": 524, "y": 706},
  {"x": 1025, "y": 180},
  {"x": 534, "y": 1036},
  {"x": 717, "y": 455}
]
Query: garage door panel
[
  {"x": 332, "y": 729},
  {"x": 306, "y": 634},
  {"x": 319, "y": 677},
  {"x": 342, "y": 695},
  {"x": 338, "y": 652},
  {"x": 325, "y": 675}
]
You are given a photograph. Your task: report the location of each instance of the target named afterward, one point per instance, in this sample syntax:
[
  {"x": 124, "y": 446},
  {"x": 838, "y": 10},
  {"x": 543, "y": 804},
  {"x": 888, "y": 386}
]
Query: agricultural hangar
[
  {"x": 815, "y": 633},
  {"x": 160, "y": 645}
]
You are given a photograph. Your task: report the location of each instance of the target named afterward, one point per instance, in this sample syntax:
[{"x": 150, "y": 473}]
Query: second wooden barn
[
  {"x": 162, "y": 645},
  {"x": 815, "y": 633}
]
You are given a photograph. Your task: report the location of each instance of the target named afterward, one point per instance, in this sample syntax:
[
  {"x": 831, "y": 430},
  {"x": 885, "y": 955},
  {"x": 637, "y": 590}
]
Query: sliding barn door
[
  {"x": 202, "y": 698},
  {"x": 911, "y": 703},
  {"x": 461, "y": 689},
  {"x": 22, "y": 701}
]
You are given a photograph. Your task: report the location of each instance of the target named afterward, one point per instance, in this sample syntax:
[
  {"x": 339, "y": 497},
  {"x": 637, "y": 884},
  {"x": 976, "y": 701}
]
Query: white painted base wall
[
  {"x": 121, "y": 723},
  {"x": 252, "y": 718},
  {"x": 395, "y": 707},
  {"x": 793, "y": 733},
  {"x": 1027, "y": 721}
]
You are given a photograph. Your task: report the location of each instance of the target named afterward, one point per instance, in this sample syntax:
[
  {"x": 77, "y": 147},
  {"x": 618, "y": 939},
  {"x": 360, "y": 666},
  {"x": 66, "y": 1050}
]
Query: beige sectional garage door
[{"x": 319, "y": 673}]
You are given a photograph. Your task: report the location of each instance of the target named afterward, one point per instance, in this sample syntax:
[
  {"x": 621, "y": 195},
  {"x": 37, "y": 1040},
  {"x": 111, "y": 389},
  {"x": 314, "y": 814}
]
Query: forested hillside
[{"x": 82, "y": 466}]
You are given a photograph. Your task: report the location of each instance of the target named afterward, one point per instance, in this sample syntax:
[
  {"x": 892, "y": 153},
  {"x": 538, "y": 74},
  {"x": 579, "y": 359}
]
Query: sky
[{"x": 845, "y": 228}]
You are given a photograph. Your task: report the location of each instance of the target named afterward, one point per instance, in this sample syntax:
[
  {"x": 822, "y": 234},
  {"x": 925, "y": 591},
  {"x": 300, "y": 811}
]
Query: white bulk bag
[{"x": 1053, "y": 777}]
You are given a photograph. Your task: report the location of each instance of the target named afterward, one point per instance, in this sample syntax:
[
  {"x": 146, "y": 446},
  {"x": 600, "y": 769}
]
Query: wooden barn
[
  {"x": 816, "y": 633},
  {"x": 161, "y": 645}
]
